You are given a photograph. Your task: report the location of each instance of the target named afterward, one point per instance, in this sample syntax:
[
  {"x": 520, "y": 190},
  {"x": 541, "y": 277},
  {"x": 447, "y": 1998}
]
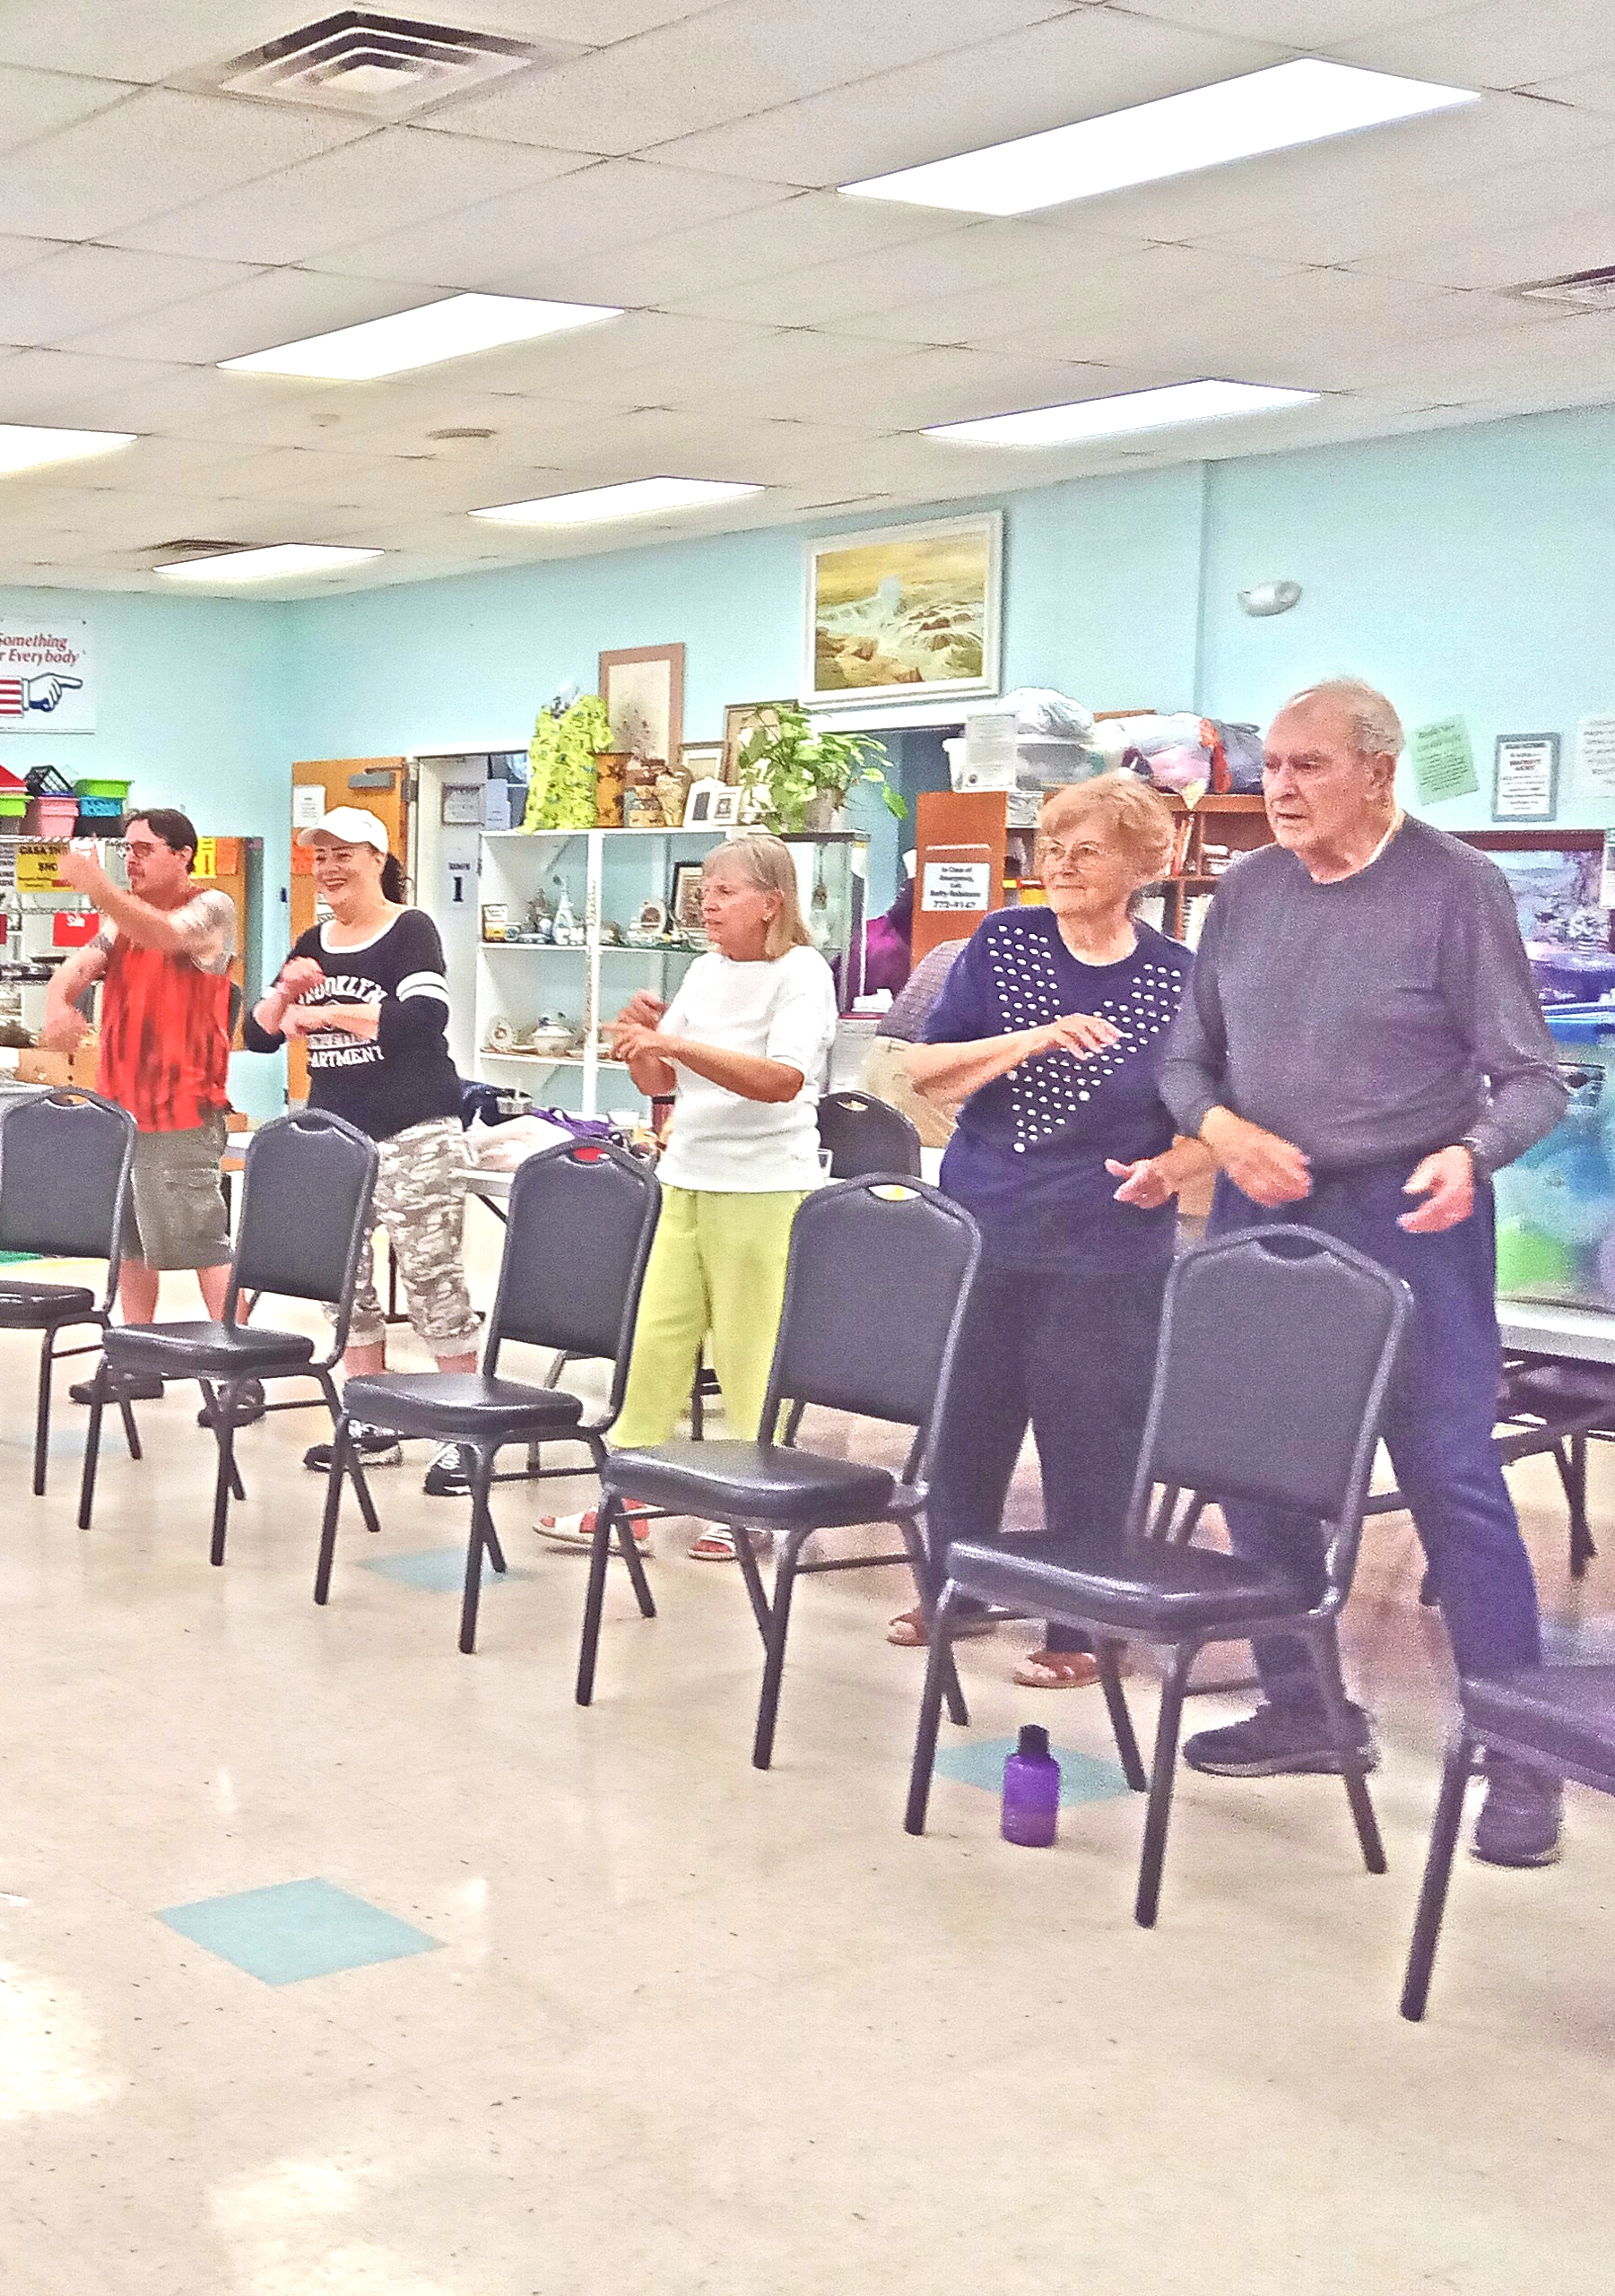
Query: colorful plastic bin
[
  {"x": 52, "y": 817},
  {"x": 1556, "y": 1205}
]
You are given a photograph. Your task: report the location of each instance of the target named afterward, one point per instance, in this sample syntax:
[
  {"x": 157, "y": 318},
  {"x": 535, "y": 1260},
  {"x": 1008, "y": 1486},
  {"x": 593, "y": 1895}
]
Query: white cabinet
[{"x": 608, "y": 877}]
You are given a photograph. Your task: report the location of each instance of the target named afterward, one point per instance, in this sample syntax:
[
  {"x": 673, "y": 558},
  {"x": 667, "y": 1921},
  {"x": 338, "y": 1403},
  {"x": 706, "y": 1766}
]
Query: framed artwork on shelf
[
  {"x": 903, "y": 612},
  {"x": 711, "y": 805},
  {"x": 740, "y": 720},
  {"x": 643, "y": 689},
  {"x": 1525, "y": 784},
  {"x": 685, "y": 906},
  {"x": 703, "y": 760}
]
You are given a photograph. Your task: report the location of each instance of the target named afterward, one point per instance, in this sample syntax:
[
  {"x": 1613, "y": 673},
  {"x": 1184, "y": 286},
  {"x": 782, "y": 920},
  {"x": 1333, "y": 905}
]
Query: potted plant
[
  {"x": 571, "y": 733},
  {"x": 795, "y": 778}
]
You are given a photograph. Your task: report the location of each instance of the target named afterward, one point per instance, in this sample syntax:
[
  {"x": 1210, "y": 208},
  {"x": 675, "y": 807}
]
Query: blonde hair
[
  {"x": 766, "y": 862},
  {"x": 1375, "y": 728},
  {"x": 1136, "y": 816}
]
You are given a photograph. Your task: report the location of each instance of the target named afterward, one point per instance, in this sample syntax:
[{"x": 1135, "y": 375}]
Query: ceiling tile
[
  {"x": 1587, "y": 91},
  {"x": 148, "y": 41},
  {"x": 1499, "y": 45},
  {"x": 505, "y": 246},
  {"x": 90, "y": 179},
  {"x": 726, "y": 62},
  {"x": 258, "y": 310},
  {"x": 61, "y": 386},
  {"x": 81, "y": 287},
  {"x": 391, "y": 180},
  {"x": 812, "y": 227},
  {"x": 1075, "y": 66},
  {"x": 34, "y": 105}
]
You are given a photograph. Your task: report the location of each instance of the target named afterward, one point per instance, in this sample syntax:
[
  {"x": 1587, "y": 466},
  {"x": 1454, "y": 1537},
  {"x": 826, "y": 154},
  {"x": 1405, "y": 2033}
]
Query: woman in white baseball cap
[{"x": 366, "y": 992}]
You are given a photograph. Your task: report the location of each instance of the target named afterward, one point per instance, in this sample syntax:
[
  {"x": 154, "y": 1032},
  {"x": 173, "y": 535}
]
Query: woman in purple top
[{"x": 1050, "y": 1029}]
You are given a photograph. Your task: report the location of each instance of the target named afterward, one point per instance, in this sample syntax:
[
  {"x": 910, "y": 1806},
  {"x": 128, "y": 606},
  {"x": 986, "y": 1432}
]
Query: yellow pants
[{"x": 717, "y": 1272}]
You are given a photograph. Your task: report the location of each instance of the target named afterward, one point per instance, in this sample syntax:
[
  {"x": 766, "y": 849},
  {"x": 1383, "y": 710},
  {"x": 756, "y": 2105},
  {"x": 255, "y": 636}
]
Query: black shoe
[
  {"x": 450, "y": 1475},
  {"x": 1278, "y": 1741},
  {"x": 245, "y": 1398},
  {"x": 374, "y": 1450},
  {"x": 1520, "y": 1818},
  {"x": 122, "y": 1387}
]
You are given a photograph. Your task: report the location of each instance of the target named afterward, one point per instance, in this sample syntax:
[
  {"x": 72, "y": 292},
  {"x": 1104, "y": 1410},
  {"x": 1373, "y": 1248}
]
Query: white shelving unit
[{"x": 609, "y": 875}]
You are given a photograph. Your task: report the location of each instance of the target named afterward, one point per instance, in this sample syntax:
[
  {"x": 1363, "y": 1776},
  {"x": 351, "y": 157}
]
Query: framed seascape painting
[{"x": 903, "y": 612}]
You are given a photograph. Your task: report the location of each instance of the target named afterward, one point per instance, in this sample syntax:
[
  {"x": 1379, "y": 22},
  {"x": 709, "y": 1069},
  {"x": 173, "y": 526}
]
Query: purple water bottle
[{"x": 1031, "y": 1790}]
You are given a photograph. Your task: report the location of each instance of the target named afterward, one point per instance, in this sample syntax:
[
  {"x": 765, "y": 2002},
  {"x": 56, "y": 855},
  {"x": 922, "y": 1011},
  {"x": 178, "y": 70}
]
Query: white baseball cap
[{"x": 350, "y": 824}]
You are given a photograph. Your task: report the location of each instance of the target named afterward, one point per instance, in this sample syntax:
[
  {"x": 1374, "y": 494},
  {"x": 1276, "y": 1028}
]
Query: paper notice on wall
[
  {"x": 1595, "y": 758},
  {"x": 307, "y": 804},
  {"x": 956, "y": 885},
  {"x": 1444, "y": 763}
]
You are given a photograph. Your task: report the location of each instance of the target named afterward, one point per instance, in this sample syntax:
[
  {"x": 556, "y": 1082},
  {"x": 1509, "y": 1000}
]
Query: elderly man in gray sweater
[{"x": 1361, "y": 1049}]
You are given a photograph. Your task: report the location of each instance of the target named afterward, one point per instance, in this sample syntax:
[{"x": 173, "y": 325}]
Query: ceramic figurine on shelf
[
  {"x": 541, "y": 925},
  {"x": 610, "y": 934},
  {"x": 568, "y": 932},
  {"x": 649, "y": 928}
]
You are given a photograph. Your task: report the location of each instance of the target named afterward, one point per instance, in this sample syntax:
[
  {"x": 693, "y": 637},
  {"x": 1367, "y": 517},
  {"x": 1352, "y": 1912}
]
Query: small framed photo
[
  {"x": 742, "y": 719},
  {"x": 703, "y": 760},
  {"x": 1525, "y": 778},
  {"x": 462, "y": 805},
  {"x": 711, "y": 805},
  {"x": 685, "y": 906}
]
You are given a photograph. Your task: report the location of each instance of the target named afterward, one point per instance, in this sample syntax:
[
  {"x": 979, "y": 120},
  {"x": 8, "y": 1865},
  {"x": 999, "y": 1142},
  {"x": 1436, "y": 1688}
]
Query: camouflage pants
[{"x": 420, "y": 1201}]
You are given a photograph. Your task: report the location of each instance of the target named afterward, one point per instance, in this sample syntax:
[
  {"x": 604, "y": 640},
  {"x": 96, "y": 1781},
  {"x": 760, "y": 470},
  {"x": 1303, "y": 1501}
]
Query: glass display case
[{"x": 572, "y": 922}]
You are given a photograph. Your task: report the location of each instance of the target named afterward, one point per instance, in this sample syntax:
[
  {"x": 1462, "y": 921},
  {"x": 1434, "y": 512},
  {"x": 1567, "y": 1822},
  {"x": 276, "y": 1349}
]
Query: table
[{"x": 1581, "y": 1335}]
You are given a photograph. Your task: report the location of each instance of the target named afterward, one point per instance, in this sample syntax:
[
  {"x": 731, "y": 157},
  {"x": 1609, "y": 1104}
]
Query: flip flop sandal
[
  {"x": 907, "y": 1629},
  {"x": 1060, "y": 1670},
  {"x": 578, "y": 1531},
  {"x": 715, "y": 1544}
]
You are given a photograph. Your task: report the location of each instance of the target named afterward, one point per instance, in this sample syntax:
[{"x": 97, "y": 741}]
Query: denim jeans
[{"x": 1438, "y": 1425}]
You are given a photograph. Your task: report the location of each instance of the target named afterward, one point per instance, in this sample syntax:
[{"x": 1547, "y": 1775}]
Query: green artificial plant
[
  {"x": 784, "y": 766},
  {"x": 561, "y": 761}
]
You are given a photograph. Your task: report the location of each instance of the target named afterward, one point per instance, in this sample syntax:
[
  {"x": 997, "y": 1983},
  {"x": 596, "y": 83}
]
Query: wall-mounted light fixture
[{"x": 1270, "y": 598}]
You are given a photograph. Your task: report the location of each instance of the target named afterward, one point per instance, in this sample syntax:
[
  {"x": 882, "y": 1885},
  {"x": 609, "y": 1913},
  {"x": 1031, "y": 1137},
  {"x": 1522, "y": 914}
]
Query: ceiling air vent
[
  {"x": 174, "y": 553},
  {"x": 1584, "y": 290},
  {"x": 383, "y": 67}
]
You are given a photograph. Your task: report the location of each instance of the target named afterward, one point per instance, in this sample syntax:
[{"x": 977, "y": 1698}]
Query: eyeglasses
[{"x": 1051, "y": 849}]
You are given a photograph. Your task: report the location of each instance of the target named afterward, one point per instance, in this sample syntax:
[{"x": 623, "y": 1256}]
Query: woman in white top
[{"x": 744, "y": 1048}]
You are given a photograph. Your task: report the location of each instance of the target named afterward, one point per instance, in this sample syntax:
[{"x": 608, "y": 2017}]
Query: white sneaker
[
  {"x": 374, "y": 1450},
  {"x": 578, "y": 1531}
]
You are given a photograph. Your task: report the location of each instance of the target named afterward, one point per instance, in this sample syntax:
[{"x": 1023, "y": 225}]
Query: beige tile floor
[{"x": 694, "y": 2028}]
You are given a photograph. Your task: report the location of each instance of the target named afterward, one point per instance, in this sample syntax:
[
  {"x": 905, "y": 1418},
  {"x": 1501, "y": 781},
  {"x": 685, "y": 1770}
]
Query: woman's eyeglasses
[{"x": 1051, "y": 849}]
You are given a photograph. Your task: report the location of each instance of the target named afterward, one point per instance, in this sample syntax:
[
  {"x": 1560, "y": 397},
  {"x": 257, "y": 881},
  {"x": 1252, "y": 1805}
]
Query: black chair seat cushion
[
  {"x": 462, "y": 1405},
  {"x": 1557, "y": 1390},
  {"x": 1565, "y": 1712},
  {"x": 35, "y": 1307},
  {"x": 769, "y": 1486},
  {"x": 205, "y": 1351},
  {"x": 1152, "y": 1590}
]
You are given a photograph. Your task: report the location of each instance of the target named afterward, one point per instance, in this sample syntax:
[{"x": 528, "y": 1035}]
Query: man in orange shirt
[{"x": 164, "y": 956}]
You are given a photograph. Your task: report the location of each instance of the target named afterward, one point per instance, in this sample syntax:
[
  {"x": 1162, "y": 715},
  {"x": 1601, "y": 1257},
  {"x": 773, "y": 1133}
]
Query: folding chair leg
[
  {"x": 1326, "y": 1658},
  {"x": 210, "y": 1396},
  {"x": 1106, "y": 1657},
  {"x": 93, "y": 1443},
  {"x": 130, "y": 1432},
  {"x": 361, "y": 1489},
  {"x": 925, "y": 1584},
  {"x": 600, "y": 1555},
  {"x": 746, "y": 1556},
  {"x": 227, "y": 1480},
  {"x": 1573, "y": 1475},
  {"x": 342, "y": 1444},
  {"x": 779, "y": 1626},
  {"x": 42, "y": 1412},
  {"x": 1437, "y": 1872},
  {"x": 476, "y": 1545},
  {"x": 627, "y": 1547},
  {"x": 491, "y": 1539},
  {"x": 1161, "y": 1776},
  {"x": 931, "y": 1707}
]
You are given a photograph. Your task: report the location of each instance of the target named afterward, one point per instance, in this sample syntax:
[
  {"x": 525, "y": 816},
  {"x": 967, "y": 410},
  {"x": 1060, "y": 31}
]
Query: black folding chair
[
  {"x": 1559, "y": 1719},
  {"x": 862, "y": 1135},
  {"x": 878, "y": 1273},
  {"x": 305, "y": 1213},
  {"x": 64, "y": 1161},
  {"x": 577, "y": 1236},
  {"x": 1276, "y": 1348}
]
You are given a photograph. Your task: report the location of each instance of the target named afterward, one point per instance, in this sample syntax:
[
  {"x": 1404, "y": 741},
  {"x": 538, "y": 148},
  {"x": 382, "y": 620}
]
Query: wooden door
[{"x": 375, "y": 784}]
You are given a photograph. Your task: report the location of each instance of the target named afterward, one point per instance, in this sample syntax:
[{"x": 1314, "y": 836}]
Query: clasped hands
[
  {"x": 301, "y": 977},
  {"x": 634, "y": 1030}
]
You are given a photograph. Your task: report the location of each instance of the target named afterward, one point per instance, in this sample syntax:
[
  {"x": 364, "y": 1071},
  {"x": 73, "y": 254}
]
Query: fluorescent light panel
[
  {"x": 451, "y": 328},
  {"x": 25, "y": 447},
  {"x": 637, "y": 499},
  {"x": 1113, "y": 418},
  {"x": 1236, "y": 119},
  {"x": 275, "y": 563}
]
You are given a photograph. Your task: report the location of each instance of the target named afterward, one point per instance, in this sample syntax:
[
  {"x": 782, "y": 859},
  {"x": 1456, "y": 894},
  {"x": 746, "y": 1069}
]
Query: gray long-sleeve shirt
[{"x": 1390, "y": 1012}]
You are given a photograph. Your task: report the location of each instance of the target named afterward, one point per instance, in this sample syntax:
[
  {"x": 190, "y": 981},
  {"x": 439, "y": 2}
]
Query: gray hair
[{"x": 1375, "y": 728}]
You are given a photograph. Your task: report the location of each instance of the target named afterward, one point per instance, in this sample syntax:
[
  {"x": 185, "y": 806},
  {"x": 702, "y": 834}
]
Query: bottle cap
[{"x": 1034, "y": 1741}]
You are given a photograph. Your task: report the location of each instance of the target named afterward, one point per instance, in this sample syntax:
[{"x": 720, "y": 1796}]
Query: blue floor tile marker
[
  {"x": 297, "y": 1929},
  {"x": 434, "y": 1570},
  {"x": 1083, "y": 1776}
]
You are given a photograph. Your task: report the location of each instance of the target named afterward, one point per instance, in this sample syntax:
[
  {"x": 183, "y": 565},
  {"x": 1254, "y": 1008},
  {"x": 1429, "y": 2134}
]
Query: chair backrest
[
  {"x": 305, "y": 1212},
  {"x": 580, "y": 1223},
  {"x": 864, "y": 1134},
  {"x": 879, "y": 1274},
  {"x": 1276, "y": 1345},
  {"x": 64, "y": 1161}
]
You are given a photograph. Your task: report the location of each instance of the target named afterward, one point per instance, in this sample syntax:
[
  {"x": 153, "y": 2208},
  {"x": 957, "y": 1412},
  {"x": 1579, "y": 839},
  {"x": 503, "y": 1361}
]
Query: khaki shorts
[{"x": 176, "y": 1218}]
